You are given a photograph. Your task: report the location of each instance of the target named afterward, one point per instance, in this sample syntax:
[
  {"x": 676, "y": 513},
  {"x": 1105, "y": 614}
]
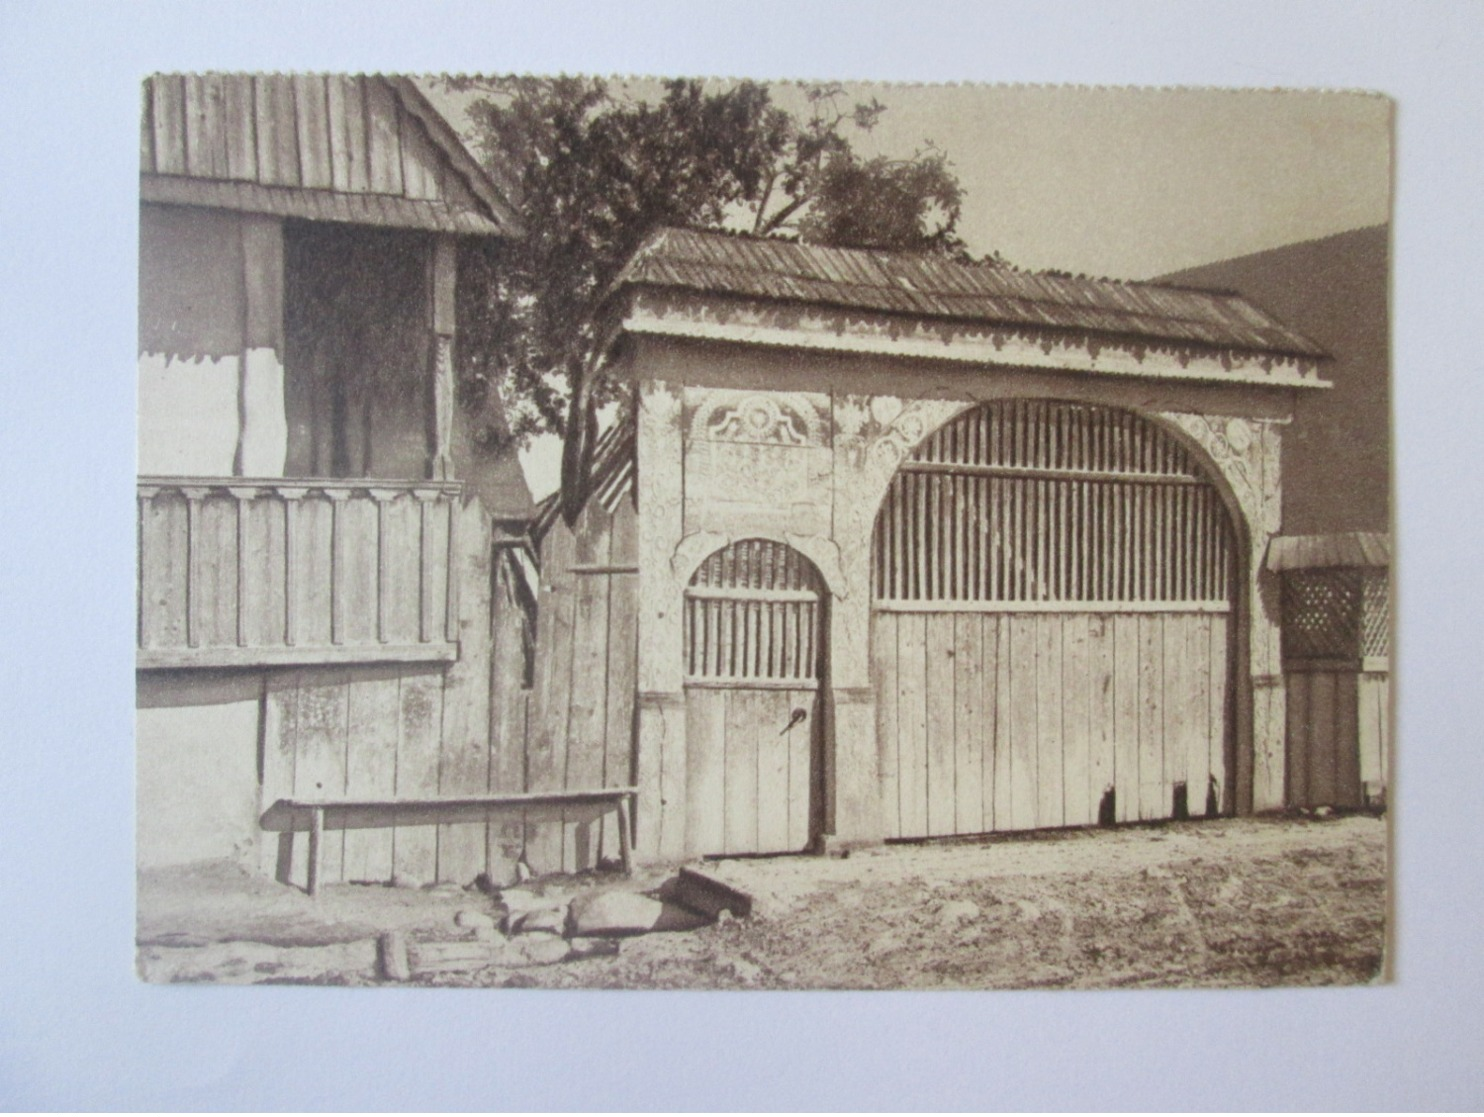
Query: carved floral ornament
[{"x": 776, "y": 418}]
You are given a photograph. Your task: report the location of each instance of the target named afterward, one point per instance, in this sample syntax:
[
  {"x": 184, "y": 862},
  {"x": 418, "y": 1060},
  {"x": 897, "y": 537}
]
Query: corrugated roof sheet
[
  {"x": 315, "y": 205},
  {"x": 1310, "y": 552},
  {"x": 927, "y": 286}
]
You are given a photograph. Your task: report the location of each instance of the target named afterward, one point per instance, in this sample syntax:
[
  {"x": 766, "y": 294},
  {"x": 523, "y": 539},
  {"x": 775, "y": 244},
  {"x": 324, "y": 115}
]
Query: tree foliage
[{"x": 594, "y": 171}]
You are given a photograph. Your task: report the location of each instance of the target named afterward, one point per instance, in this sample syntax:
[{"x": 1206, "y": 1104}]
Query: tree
[{"x": 593, "y": 173}]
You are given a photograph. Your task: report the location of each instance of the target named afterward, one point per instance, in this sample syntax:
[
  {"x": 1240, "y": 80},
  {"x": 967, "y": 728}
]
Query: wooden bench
[{"x": 288, "y": 817}]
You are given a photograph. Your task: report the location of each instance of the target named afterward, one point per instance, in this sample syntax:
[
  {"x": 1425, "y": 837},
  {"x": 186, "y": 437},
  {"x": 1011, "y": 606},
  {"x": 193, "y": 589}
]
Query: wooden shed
[
  {"x": 328, "y": 607},
  {"x": 926, "y": 548}
]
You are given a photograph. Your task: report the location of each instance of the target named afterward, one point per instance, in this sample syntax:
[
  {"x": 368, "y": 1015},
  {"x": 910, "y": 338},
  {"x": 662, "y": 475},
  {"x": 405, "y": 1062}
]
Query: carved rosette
[{"x": 1247, "y": 454}]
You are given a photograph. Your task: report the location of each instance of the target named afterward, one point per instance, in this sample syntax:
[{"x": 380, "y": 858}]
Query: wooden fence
[{"x": 581, "y": 718}]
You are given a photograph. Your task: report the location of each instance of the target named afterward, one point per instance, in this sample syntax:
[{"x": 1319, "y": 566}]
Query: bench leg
[
  {"x": 625, "y": 852},
  {"x": 316, "y": 830}
]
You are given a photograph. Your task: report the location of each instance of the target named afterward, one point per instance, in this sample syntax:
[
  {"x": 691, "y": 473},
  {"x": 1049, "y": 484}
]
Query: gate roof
[{"x": 991, "y": 294}]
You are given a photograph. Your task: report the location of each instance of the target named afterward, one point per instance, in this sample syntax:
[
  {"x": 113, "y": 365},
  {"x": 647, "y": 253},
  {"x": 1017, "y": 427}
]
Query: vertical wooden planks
[
  {"x": 1102, "y": 712},
  {"x": 464, "y": 753},
  {"x": 548, "y": 737},
  {"x": 741, "y": 769},
  {"x": 1197, "y": 698},
  {"x": 372, "y": 707},
  {"x": 217, "y": 566},
  {"x": 312, "y": 124},
  {"x": 588, "y": 705},
  {"x": 884, "y": 676},
  {"x": 320, "y": 758},
  {"x": 1153, "y": 796},
  {"x": 773, "y": 732},
  {"x": 801, "y": 741},
  {"x": 1126, "y": 716},
  {"x": 205, "y": 126},
  {"x": 277, "y": 131},
  {"x": 415, "y": 847},
  {"x": 1023, "y": 728},
  {"x": 280, "y": 735},
  {"x": 312, "y": 568},
  {"x": 507, "y": 723},
  {"x": 1050, "y": 810},
  {"x": 1218, "y": 676},
  {"x": 241, "y": 134},
  {"x": 345, "y": 105},
  {"x": 383, "y": 140},
  {"x": 1323, "y": 746},
  {"x": 912, "y": 724},
  {"x": 705, "y": 770},
  {"x": 970, "y": 722},
  {"x": 623, "y": 651},
  {"x": 939, "y": 697},
  {"x": 419, "y": 162},
  {"x": 164, "y": 559},
  {"x": 1296, "y": 739},
  {"x": 167, "y": 115},
  {"x": 1174, "y": 697},
  {"x": 1370, "y": 729},
  {"x": 1347, "y": 740},
  {"x": 1079, "y": 807},
  {"x": 1003, "y": 709}
]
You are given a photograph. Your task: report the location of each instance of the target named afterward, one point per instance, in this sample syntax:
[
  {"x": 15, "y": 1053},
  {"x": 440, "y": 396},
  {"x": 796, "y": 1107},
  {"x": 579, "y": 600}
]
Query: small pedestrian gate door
[
  {"x": 754, "y": 614},
  {"x": 1052, "y": 591}
]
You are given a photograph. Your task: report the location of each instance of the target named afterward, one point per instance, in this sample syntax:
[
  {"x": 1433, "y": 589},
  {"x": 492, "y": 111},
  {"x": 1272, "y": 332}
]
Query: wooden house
[
  {"x": 328, "y": 607},
  {"x": 907, "y": 548}
]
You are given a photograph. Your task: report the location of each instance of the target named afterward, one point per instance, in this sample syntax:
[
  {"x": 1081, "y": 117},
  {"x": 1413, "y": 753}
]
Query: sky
[
  {"x": 1132, "y": 183},
  {"x": 1129, "y": 183}
]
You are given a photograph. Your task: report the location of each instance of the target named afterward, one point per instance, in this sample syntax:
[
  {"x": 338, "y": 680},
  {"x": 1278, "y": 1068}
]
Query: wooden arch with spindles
[
  {"x": 1052, "y": 597},
  {"x": 754, "y": 660}
]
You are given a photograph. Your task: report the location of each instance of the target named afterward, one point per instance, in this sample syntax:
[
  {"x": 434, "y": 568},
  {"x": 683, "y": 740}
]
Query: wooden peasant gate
[
  {"x": 1051, "y": 591},
  {"x": 927, "y": 548}
]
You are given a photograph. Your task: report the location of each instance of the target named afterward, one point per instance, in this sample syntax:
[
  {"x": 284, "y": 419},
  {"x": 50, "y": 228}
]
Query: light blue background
[{"x": 76, "y": 1030}]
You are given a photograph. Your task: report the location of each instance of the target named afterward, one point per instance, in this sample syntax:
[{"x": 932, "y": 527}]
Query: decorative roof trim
[
  {"x": 712, "y": 317},
  {"x": 481, "y": 184},
  {"x": 385, "y": 210}
]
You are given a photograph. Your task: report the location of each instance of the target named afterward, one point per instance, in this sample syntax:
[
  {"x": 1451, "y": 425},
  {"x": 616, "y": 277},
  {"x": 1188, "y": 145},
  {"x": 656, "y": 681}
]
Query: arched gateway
[
  {"x": 754, "y": 659},
  {"x": 1052, "y": 585}
]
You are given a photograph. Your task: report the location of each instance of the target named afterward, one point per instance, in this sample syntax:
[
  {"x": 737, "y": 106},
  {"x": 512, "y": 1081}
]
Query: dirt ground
[{"x": 1238, "y": 902}]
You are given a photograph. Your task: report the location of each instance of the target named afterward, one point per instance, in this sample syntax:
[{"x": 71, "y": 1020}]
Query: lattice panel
[
  {"x": 1375, "y": 611},
  {"x": 752, "y": 613},
  {"x": 1322, "y": 614},
  {"x": 1027, "y": 501}
]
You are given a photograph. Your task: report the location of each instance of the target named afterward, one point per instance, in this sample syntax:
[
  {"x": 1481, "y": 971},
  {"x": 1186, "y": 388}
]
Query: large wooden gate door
[
  {"x": 753, "y": 619},
  {"x": 1053, "y": 586}
]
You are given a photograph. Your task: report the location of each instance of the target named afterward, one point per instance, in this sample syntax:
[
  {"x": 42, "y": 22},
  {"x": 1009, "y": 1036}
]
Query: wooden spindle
[
  {"x": 242, "y": 495},
  {"x": 291, "y": 498}
]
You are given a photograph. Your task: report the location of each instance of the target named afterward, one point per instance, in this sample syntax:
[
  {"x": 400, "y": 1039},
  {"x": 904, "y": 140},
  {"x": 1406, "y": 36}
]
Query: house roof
[
  {"x": 928, "y": 286},
  {"x": 1312, "y": 552},
  {"x": 364, "y": 149}
]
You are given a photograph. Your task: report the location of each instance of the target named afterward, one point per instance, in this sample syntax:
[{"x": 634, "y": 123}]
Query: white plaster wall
[
  {"x": 188, "y": 415},
  {"x": 196, "y": 788}
]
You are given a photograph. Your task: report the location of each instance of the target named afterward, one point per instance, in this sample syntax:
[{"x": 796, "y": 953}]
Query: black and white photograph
[{"x": 684, "y": 533}]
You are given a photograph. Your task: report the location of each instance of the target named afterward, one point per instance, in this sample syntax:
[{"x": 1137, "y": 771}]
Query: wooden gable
[{"x": 365, "y": 149}]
